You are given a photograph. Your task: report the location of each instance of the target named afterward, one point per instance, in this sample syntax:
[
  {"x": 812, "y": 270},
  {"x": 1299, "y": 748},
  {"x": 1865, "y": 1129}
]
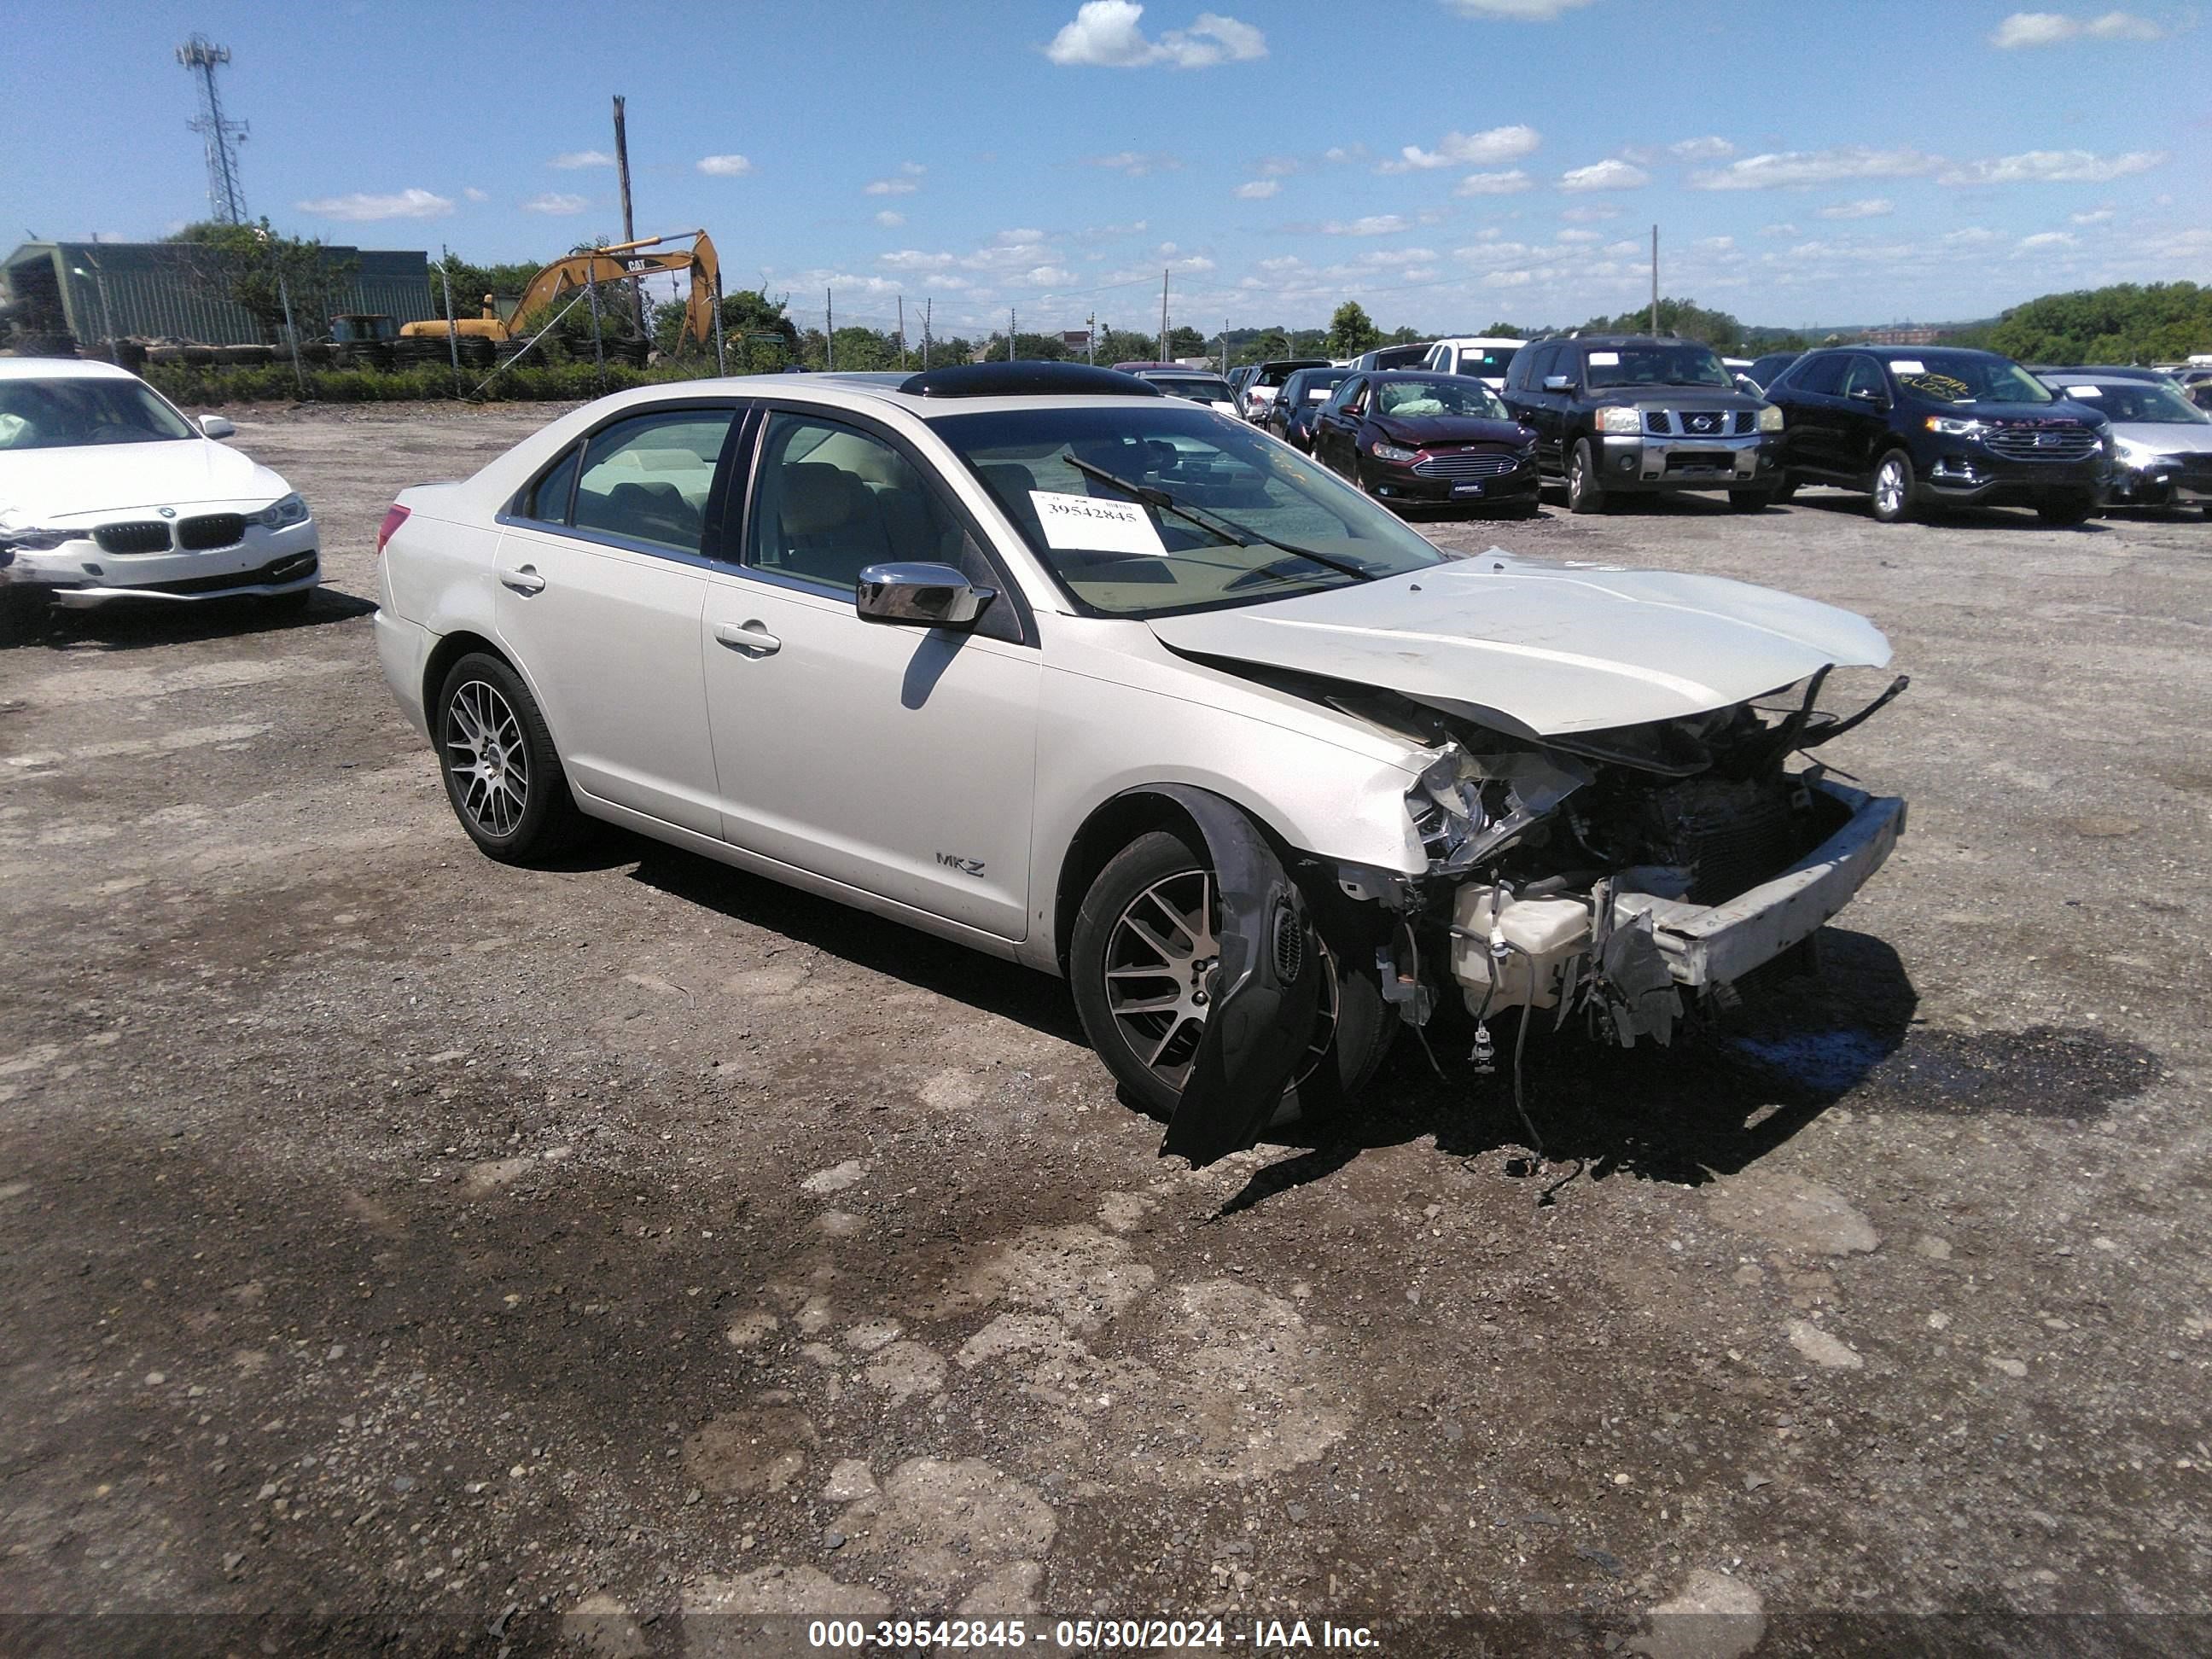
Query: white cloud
[
  {"x": 1871, "y": 207},
  {"x": 889, "y": 220},
  {"x": 1374, "y": 224},
  {"x": 2093, "y": 216},
  {"x": 582, "y": 158},
  {"x": 1574, "y": 238},
  {"x": 2046, "y": 239},
  {"x": 1107, "y": 33},
  {"x": 909, "y": 258},
  {"x": 1467, "y": 149},
  {"x": 2053, "y": 166},
  {"x": 2051, "y": 29},
  {"x": 1971, "y": 236},
  {"x": 1279, "y": 167},
  {"x": 1258, "y": 189},
  {"x": 725, "y": 166},
  {"x": 1701, "y": 149},
  {"x": 1716, "y": 244},
  {"x": 363, "y": 207},
  {"x": 1589, "y": 213},
  {"x": 476, "y": 195},
  {"x": 890, "y": 187},
  {"x": 1135, "y": 164},
  {"x": 912, "y": 169},
  {"x": 558, "y": 203},
  {"x": 1492, "y": 184},
  {"x": 1518, "y": 11},
  {"x": 1611, "y": 174},
  {"x": 1782, "y": 169}
]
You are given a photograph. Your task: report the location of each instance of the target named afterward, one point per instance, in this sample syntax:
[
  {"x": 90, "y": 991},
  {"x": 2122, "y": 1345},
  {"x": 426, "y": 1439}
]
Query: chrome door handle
[
  {"x": 525, "y": 580},
  {"x": 753, "y": 639}
]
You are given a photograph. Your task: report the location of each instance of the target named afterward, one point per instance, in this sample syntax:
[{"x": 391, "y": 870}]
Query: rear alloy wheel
[
  {"x": 1141, "y": 962},
  {"x": 1585, "y": 489},
  {"x": 2067, "y": 509},
  {"x": 501, "y": 771},
  {"x": 1894, "y": 487}
]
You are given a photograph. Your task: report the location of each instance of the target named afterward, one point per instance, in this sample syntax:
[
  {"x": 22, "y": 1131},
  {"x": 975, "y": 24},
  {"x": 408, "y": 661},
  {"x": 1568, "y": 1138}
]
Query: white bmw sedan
[
  {"x": 1033, "y": 657},
  {"x": 108, "y": 493}
]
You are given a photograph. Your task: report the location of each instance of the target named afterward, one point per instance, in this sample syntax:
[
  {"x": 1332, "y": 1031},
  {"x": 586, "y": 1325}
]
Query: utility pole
[
  {"x": 1224, "y": 347},
  {"x": 1163, "y": 314},
  {"x": 902, "y": 310},
  {"x": 599, "y": 347},
  {"x": 1655, "y": 279},
  {"x": 829, "y": 330},
  {"x": 629, "y": 226},
  {"x": 226, "y": 195},
  {"x": 1091, "y": 339},
  {"x": 452, "y": 331},
  {"x": 1010, "y": 334},
  {"x": 925, "y": 331}
]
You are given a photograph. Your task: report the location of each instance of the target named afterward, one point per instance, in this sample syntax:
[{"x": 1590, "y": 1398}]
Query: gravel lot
[{"x": 407, "y": 1251}]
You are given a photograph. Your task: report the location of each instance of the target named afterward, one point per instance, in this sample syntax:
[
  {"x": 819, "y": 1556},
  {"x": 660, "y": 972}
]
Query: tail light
[{"x": 394, "y": 516}]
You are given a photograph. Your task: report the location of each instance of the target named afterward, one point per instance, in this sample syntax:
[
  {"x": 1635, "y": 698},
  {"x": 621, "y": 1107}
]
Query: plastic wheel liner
[{"x": 1265, "y": 989}]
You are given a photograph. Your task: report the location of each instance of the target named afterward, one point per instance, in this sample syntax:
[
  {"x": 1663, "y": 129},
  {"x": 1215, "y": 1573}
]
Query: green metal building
[{"x": 155, "y": 290}]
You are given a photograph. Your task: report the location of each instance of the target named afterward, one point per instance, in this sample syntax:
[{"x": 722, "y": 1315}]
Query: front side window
[
  {"x": 1685, "y": 364},
  {"x": 1821, "y": 376},
  {"x": 647, "y": 478},
  {"x": 1864, "y": 377},
  {"x": 1225, "y": 485},
  {"x": 833, "y": 500},
  {"x": 71, "y": 412}
]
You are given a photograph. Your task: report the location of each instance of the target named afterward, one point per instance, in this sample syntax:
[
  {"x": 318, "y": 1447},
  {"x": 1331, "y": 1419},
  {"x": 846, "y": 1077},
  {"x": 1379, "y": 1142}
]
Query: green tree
[
  {"x": 1687, "y": 318},
  {"x": 1351, "y": 330},
  {"x": 259, "y": 269},
  {"x": 2128, "y": 322},
  {"x": 472, "y": 283},
  {"x": 1187, "y": 341}
]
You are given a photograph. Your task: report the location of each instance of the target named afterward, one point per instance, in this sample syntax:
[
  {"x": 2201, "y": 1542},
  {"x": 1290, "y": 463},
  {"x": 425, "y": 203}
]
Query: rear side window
[
  {"x": 648, "y": 479},
  {"x": 1822, "y": 376},
  {"x": 547, "y": 502},
  {"x": 1865, "y": 375}
]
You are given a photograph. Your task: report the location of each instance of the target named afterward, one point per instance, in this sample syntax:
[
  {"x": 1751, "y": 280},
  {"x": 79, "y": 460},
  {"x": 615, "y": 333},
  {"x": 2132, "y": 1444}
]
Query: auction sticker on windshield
[
  {"x": 1605, "y": 360},
  {"x": 1089, "y": 524}
]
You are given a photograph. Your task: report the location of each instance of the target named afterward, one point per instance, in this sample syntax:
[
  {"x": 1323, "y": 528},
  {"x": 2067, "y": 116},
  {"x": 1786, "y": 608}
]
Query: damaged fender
[{"x": 1266, "y": 988}]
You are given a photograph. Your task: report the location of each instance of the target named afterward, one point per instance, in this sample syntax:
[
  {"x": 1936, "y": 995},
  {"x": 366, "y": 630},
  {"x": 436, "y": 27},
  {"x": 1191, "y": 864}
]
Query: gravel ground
[{"x": 406, "y": 1252}]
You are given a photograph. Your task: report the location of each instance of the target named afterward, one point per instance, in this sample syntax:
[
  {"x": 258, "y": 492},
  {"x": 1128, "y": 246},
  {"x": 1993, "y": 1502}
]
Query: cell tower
[{"x": 226, "y": 195}]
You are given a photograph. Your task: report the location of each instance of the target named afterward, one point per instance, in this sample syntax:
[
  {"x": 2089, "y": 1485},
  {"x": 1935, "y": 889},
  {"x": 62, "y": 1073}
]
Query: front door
[
  {"x": 897, "y": 760},
  {"x": 602, "y": 585}
]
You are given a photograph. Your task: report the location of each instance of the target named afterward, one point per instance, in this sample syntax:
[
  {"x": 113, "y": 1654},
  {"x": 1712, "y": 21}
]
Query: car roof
[
  {"x": 1608, "y": 342},
  {"x": 1396, "y": 375},
  {"x": 61, "y": 368},
  {"x": 1479, "y": 340},
  {"x": 1910, "y": 353}
]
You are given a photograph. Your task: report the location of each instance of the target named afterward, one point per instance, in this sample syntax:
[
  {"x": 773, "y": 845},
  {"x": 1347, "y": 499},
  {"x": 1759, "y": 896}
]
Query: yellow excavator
[{"x": 616, "y": 263}]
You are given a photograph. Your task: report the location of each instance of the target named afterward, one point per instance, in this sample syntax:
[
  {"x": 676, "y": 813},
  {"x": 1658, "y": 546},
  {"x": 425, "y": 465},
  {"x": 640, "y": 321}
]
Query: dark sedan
[
  {"x": 1290, "y": 416},
  {"x": 1422, "y": 439}
]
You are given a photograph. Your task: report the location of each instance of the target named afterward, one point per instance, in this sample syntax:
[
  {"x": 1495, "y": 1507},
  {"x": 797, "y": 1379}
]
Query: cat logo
[{"x": 965, "y": 866}]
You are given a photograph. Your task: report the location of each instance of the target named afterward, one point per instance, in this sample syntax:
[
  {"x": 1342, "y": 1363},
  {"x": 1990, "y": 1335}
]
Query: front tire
[
  {"x": 1784, "y": 488},
  {"x": 1893, "y": 489},
  {"x": 1152, "y": 913},
  {"x": 1585, "y": 489},
  {"x": 502, "y": 774}
]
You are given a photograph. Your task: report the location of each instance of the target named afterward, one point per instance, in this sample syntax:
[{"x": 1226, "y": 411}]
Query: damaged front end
[{"x": 1613, "y": 875}]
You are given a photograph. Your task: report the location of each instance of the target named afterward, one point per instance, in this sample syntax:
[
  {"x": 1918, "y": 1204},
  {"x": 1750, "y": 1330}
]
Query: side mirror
[
  {"x": 920, "y": 595},
  {"x": 1559, "y": 383},
  {"x": 214, "y": 426}
]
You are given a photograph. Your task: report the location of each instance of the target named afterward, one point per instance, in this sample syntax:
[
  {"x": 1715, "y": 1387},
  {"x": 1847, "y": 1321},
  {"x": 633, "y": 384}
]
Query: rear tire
[
  {"x": 1894, "y": 488},
  {"x": 1160, "y": 859},
  {"x": 502, "y": 772},
  {"x": 1585, "y": 489},
  {"x": 2067, "y": 510}
]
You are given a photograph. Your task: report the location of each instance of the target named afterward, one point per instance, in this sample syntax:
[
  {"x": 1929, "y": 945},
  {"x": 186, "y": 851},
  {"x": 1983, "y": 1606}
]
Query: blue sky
[{"x": 1446, "y": 163}]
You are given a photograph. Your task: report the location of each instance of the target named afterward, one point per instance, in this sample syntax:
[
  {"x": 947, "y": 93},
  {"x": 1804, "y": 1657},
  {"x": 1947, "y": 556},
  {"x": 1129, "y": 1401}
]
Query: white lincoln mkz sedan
[{"x": 1033, "y": 657}]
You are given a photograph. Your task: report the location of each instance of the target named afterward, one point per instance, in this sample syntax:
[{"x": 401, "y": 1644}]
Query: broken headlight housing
[
  {"x": 1618, "y": 420},
  {"x": 35, "y": 538}
]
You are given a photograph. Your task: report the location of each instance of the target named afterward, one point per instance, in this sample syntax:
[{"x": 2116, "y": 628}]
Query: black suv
[
  {"x": 1623, "y": 414},
  {"x": 1931, "y": 426}
]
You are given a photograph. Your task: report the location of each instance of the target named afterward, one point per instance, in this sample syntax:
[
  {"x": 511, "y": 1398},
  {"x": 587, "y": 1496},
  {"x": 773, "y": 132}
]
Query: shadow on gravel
[
  {"x": 1949, "y": 517},
  {"x": 1015, "y": 992},
  {"x": 1727, "y": 1094},
  {"x": 140, "y": 624}
]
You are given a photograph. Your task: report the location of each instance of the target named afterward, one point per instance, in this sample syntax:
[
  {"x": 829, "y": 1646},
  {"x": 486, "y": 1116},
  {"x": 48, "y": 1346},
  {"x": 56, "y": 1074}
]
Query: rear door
[
  {"x": 1337, "y": 430},
  {"x": 602, "y": 583},
  {"x": 899, "y": 761},
  {"x": 1861, "y": 420},
  {"x": 1812, "y": 416}
]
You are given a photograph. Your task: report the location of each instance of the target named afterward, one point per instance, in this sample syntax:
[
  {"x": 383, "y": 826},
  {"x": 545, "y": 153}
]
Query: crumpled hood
[
  {"x": 1421, "y": 431},
  {"x": 1543, "y": 650},
  {"x": 38, "y": 486},
  {"x": 2167, "y": 437}
]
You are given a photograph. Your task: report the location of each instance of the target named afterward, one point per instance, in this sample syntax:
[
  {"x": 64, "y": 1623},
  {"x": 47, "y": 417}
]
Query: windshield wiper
[{"x": 1240, "y": 534}]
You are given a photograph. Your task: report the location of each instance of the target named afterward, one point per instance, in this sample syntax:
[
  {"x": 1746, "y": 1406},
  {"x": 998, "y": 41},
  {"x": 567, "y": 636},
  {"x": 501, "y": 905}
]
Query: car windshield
[
  {"x": 1276, "y": 373},
  {"x": 1198, "y": 388},
  {"x": 1489, "y": 361},
  {"x": 2143, "y": 401},
  {"x": 1118, "y": 557},
  {"x": 1445, "y": 395},
  {"x": 1657, "y": 365},
  {"x": 68, "y": 413},
  {"x": 1963, "y": 377}
]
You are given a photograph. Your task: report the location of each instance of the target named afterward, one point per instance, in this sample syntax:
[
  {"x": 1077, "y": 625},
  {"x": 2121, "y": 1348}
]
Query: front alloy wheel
[
  {"x": 1585, "y": 490},
  {"x": 1892, "y": 488}
]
